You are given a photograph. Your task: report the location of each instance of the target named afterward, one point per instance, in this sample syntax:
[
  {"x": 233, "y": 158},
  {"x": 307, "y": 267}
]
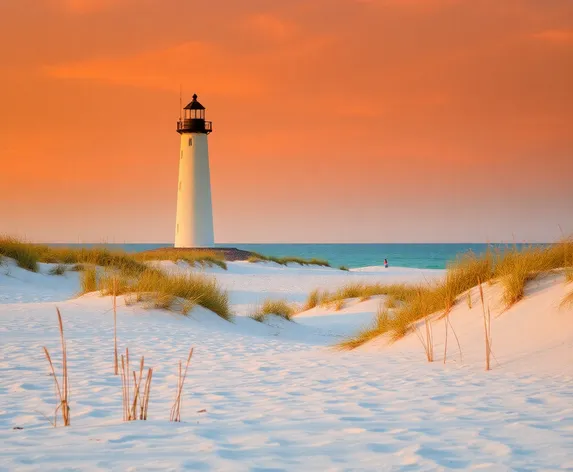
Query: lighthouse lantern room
[{"x": 194, "y": 220}]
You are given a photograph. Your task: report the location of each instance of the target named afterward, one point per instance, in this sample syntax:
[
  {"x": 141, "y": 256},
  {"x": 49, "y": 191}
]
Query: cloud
[
  {"x": 207, "y": 65},
  {"x": 270, "y": 26},
  {"x": 83, "y": 7},
  {"x": 560, "y": 36}
]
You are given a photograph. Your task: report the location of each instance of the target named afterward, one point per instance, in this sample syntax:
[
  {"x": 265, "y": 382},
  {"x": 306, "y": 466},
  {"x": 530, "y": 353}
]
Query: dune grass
[
  {"x": 192, "y": 257},
  {"x": 342, "y": 267},
  {"x": 512, "y": 267},
  {"x": 281, "y": 308},
  {"x": 60, "y": 269},
  {"x": 178, "y": 292},
  {"x": 27, "y": 255},
  {"x": 24, "y": 254},
  {"x": 256, "y": 257},
  {"x": 360, "y": 290},
  {"x": 88, "y": 280},
  {"x": 381, "y": 325},
  {"x": 567, "y": 300}
]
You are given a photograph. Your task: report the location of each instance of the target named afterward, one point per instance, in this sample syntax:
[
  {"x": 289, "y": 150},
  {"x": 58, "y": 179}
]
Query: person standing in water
[{"x": 386, "y": 263}]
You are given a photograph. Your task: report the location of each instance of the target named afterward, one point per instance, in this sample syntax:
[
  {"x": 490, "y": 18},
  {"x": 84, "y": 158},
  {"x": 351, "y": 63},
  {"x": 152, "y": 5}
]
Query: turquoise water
[{"x": 425, "y": 256}]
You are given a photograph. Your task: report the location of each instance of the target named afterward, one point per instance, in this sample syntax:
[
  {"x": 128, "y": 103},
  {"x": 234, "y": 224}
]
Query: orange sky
[{"x": 335, "y": 120}]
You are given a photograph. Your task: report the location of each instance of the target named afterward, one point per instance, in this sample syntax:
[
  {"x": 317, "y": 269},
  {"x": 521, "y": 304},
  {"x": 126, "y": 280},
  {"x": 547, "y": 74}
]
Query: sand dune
[{"x": 274, "y": 396}]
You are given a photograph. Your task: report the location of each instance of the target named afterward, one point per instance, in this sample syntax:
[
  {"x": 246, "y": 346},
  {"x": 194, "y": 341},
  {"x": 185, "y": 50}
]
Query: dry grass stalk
[
  {"x": 176, "y": 408},
  {"x": 428, "y": 341},
  {"x": 145, "y": 399},
  {"x": 115, "y": 360},
  {"x": 487, "y": 328},
  {"x": 134, "y": 408},
  {"x": 457, "y": 339},
  {"x": 124, "y": 385},
  {"x": 63, "y": 392},
  {"x": 567, "y": 300},
  {"x": 339, "y": 305},
  {"x": 469, "y": 299},
  {"x": 446, "y": 341}
]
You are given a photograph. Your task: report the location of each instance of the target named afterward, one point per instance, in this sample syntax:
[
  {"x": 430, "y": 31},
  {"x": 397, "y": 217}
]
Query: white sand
[{"x": 276, "y": 397}]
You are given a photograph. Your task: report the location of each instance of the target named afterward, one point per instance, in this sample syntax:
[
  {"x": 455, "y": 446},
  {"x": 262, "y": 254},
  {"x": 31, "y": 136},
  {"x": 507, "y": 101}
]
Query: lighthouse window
[{"x": 190, "y": 141}]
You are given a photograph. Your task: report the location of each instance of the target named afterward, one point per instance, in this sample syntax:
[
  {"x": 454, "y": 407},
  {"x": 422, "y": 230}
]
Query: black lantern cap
[{"x": 194, "y": 104}]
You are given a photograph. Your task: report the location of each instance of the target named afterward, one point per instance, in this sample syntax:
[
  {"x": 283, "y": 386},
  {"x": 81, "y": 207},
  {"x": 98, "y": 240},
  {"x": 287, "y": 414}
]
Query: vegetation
[
  {"x": 60, "y": 269},
  {"x": 88, "y": 280},
  {"x": 131, "y": 394},
  {"x": 567, "y": 300},
  {"x": 412, "y": 303},
  {"x": 62, "y": 387},
  {"x": 314, "y": 299},
  {"x": 191, "y": 256},
  {"x": 358, "y": 290},
  {"x": 23, "y": 254},
  {"x": 287, "y": 260},
  {"x": 176, "y": 408},
  {"x": 281, "y": 308},
  {"x": 381, "y": 325},
  {"x": 159, "y": 290},
  {"x": 344, "y": 268},
  {"x": 27, "y": 256}
]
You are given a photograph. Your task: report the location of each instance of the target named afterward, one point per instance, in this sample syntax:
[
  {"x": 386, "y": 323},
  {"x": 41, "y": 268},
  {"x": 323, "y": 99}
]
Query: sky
[{"x": 334, "y": 120}]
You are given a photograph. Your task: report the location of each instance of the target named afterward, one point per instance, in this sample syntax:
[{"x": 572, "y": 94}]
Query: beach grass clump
[
  {"x": 314, "y": 299},
  {"x": 515, "y": 267},
  {"x": 343, "y": 267},
  {"x": 256, "y": 257},
  {"x": 362, "y": 291},
  {"x": 25, "y": 255},
  {"x": 462, "y": 275},
  {"x": 160, "y": 290},
  {"x": 59, "y": 269},
  {"x": 89, "y": 280},
  {"x": 192, "y": 256},
  {"x": 280, "y": 308},
  {"x": 380, "y": 326},
  {"x": 135, "y": 401}
]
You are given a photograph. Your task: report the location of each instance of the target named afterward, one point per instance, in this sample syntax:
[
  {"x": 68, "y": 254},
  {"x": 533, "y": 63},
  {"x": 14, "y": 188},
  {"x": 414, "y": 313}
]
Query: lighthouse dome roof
[{"x": 194, "y": 104}]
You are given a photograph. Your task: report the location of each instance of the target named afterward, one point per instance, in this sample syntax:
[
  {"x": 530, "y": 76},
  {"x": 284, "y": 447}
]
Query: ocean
[{"x": 423, "y": 256}]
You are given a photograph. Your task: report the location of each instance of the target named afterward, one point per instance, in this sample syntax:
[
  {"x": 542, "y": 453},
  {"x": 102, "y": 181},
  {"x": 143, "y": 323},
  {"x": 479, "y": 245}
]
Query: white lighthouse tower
[{"x": 194, "y": 223}]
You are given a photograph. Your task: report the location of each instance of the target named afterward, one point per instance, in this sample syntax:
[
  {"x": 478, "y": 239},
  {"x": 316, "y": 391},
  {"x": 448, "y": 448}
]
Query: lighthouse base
[{"x": 228, "y": 253}]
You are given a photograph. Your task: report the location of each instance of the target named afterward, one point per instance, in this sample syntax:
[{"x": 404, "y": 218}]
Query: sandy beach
[{"x": 276, "y": 395}]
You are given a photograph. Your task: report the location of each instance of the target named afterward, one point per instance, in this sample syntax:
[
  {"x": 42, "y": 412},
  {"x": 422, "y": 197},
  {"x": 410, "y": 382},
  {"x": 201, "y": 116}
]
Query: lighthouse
[{"x": 194, "y": 221}]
